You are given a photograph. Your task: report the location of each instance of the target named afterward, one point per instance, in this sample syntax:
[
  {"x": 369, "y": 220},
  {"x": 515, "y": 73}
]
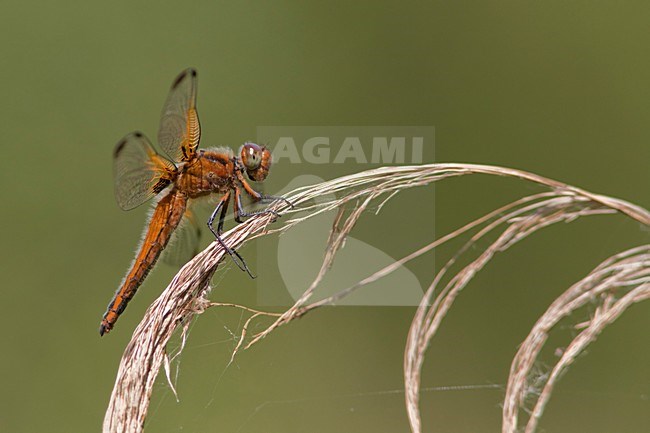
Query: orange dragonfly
[{"x": 190, "y": 173}]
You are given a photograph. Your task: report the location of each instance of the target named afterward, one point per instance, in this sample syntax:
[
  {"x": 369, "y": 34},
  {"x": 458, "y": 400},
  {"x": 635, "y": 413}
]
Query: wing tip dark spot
[
  {"x": 182, "y": 75},
  {"x": 120, "y": 144},
  {"x": 119, "y": 147},
  {"x": 178, "y": 79}
]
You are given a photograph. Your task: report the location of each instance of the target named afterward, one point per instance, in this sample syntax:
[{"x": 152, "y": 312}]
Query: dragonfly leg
[
  {"x": 236, "y": 257},
  {"x": 241, "y": 213},
  {"x": 272, "y": 198},
  {"x": 257, "y": 196},
  {"x": 222, "y": 216}
]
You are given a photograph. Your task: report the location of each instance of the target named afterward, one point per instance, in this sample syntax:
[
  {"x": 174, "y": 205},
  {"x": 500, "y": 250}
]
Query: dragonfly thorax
[{"x": 210, "y": 171}]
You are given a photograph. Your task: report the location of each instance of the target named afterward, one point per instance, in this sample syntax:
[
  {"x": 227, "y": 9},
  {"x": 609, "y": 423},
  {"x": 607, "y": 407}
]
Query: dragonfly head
[{"x": 256, "y": 160}]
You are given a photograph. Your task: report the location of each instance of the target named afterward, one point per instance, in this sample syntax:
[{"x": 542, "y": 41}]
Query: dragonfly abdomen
[{"x": 164, "y": 220}]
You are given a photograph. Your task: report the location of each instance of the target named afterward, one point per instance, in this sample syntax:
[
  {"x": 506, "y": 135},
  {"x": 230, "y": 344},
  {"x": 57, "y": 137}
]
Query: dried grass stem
[{"x": 618, "y": 283}]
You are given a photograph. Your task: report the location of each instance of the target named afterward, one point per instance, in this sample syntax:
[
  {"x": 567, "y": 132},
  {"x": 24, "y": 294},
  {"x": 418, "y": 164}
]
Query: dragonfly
[{"x": 184, "y": 174}]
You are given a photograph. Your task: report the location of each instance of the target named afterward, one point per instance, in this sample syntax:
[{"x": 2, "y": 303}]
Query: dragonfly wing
[
  {"x": 180, "y": 129},
  {"x": 184, "y": 243},
  {"x": 139, "y": 171}
]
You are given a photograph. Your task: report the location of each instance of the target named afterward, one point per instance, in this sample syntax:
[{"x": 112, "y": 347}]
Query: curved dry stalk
[
  {"x": 519, "y": 223},
  {"x": 614, "y": 285},
  {"x": 186, "y": 294}
]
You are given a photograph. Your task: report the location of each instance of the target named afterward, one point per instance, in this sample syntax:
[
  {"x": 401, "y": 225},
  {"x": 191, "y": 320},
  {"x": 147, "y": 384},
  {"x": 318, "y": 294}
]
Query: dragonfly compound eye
[
  {"x": 256, "y": 160},
  {"x": 251, "y": 156}
]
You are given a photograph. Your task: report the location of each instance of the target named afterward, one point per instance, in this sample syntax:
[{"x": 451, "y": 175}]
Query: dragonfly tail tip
[{"x": 103, "y": 329}]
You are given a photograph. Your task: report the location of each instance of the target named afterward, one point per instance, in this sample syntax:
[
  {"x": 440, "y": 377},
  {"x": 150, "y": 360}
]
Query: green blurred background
[{"x": 556, "y": 88}]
